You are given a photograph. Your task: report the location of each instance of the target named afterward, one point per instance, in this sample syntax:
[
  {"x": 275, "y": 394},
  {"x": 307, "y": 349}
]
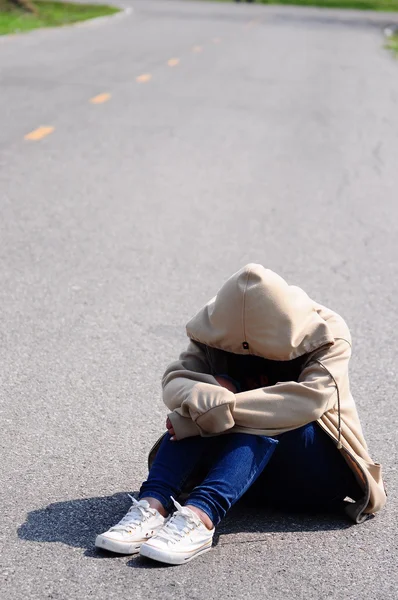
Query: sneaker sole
[
  {"x": 172, "y": 559},
  {"x": 120, "y": 547}
]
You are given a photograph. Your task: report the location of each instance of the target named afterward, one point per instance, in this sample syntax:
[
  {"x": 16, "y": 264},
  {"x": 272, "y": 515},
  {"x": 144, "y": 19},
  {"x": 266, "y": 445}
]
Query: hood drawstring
[
  {"x": 245, "y": 343},
  {"x": 339, "y": 444}
]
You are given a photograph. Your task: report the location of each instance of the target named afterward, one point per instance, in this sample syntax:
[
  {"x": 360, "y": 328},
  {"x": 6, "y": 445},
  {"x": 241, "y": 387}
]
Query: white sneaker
[
  {"x": 139, "y": 524},
  {"x": 182, "y": 538}
]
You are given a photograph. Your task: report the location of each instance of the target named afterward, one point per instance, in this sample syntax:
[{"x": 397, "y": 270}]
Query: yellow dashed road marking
[
  {"x": 39, "y": 133},
  {"x": 173, "y": 62},
  {"x": 100, "y": 98},
  {"x": 197, "y": 49},
  {"x": 144, "y": 78}
]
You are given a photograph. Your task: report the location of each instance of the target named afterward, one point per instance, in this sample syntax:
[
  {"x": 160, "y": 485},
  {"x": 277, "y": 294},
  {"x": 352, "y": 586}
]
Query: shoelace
[
  {"x": 182, "y": 522},
  {"x": 136, "y": 515}
]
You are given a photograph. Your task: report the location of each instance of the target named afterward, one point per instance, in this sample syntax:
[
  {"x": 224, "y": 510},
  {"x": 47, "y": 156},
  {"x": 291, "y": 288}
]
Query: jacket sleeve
[
  {"x": 278, "y": 408},
  {"x": 291, "y": 404},
  {"x": 191, "y": 392}
]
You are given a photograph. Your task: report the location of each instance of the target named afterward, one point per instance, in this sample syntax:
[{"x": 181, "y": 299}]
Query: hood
[{"x": 257, "y": 312}]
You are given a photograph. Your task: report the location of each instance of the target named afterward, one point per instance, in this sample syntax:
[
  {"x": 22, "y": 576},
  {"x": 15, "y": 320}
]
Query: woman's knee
[
  {"x": 303, "y": 437},
  {"x": 254, "y": 443}
]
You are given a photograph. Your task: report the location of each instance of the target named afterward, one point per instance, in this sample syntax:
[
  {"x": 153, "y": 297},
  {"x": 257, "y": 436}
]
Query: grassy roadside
[
  {"x": 50, "y": 14},
  {"x": 392, "y": 44},
  {"x": 379, "y": 5}
]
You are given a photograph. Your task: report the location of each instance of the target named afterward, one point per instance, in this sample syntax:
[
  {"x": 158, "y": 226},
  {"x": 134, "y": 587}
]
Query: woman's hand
[{"x": 170, "y": 430}]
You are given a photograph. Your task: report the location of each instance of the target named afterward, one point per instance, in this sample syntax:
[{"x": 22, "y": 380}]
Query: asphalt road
[{"x": 273, "y": 138}]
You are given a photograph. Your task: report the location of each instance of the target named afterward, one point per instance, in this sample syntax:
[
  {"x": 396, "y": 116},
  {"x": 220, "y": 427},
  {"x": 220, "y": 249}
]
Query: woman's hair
[{"x": 241, "y": 367}]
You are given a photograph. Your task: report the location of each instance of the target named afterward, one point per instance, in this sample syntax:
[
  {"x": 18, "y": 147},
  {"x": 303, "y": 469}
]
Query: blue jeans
[{"x": 300, "y": 469}]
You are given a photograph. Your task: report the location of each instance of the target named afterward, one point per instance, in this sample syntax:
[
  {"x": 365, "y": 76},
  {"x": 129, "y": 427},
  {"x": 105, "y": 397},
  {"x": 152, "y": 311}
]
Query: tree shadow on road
[{"x": 77, "y": 522}]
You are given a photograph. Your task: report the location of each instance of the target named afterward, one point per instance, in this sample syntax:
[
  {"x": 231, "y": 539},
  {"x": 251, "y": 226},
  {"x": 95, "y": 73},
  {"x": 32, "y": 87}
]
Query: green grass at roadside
[
  {"x": 379, "y": 5},
  {"x": 51, "y": 14},
  {"x": 392, "y": 44}
]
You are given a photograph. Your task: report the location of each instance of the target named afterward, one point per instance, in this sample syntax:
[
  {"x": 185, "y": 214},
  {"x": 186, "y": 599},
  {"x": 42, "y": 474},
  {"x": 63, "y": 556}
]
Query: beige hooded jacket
[{"x": 256, "y": 312}]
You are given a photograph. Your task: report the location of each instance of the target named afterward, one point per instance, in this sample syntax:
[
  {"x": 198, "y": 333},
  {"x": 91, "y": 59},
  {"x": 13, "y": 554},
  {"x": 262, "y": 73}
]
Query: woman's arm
[
  {"x": 187, "y": 384},
  {"x": 276, "y": 408}
]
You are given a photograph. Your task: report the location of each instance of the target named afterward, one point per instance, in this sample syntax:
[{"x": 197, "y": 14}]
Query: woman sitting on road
[{"x": 260, "y": 404}]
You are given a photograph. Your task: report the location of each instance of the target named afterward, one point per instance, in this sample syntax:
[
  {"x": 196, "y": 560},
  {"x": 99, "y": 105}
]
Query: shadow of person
[
  {"x": 75, "y": 522},
  {"x": 245, "y": 518},
  {"x": 246, "y": 523}
]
